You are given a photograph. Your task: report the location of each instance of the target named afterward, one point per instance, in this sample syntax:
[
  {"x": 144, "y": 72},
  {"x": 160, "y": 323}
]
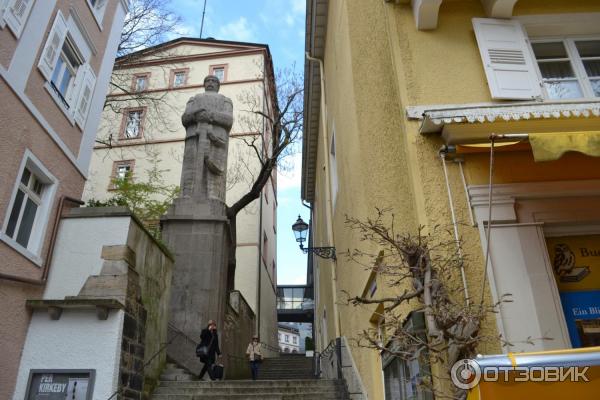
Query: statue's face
[{"x": 211, "y": 84}]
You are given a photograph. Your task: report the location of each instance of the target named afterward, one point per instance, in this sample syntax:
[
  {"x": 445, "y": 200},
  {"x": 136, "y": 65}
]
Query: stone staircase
[
  {"x": 287, "y": 366},
  {"x": 282, "y": 384}
]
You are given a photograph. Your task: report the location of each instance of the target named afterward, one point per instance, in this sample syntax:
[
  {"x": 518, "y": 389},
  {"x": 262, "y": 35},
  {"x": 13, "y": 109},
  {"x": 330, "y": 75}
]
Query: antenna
[{"x": 202, "y": 24}]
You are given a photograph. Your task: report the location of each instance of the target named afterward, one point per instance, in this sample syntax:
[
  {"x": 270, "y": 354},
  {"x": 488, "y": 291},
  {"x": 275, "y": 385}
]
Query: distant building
[
  {"x": 56, "y": 59},
  {"x": 143, "y": 125},
  {"x": 289, "y": 339}
]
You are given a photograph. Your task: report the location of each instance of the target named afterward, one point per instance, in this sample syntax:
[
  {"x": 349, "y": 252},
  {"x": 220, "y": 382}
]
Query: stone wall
[{"x": 238, "y": 328}]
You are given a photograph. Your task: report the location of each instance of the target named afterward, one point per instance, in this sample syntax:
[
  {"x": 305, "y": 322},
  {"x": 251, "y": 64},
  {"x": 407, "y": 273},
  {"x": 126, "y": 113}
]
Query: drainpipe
[
  {"x": 50, "y": 252},
  {"x": 325, "y": 146},
  {"x": 442, "y": 152}
]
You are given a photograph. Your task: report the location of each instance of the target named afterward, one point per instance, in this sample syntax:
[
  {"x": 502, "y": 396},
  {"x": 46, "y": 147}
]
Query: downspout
[
  {"x": 260, "y": 218},
  {"x": 325, "y": 138},
  {"x": 50, "y": 252},
  {"x": 442, "y": 152},
  {"x": 315, "y": 282}
]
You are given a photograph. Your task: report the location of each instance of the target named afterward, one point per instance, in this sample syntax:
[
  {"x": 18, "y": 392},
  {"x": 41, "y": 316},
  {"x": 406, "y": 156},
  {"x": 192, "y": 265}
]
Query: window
[
  {"x": 64, "y": 73},
  {"x": 220, "y": 71},
  {"x": 569, "y": 68},
  {"x": 294, "y": 340},
  {"x": 121, "y": 170},
  {"x": 133, "y": 123},
  {"x": 29, "y": 209},
  {"x": 553, "y": 68},
  {"x": 287, "y": 338},
  {"x": 140, "y": 82},
  {"x": 14, "y": 13},
  {"x": 64, "y": 63},
  {"x": 97, "y": 7},
  {"x": 333, "y": 169}
]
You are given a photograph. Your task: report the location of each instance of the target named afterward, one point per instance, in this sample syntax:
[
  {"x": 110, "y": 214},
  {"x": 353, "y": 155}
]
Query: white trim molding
[
  {"x": 425, "y": 12},
  {"x": 434, "y": 117},
  {"x": 498, "y": 8},
  {"x": 523, "y": 214}
]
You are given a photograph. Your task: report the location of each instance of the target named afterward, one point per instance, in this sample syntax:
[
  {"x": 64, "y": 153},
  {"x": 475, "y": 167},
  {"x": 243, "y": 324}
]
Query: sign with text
[
  {"x": 575, "y": 261},
  {"x": 582, "y": 313},
  {"x": 60, "y": 385}
]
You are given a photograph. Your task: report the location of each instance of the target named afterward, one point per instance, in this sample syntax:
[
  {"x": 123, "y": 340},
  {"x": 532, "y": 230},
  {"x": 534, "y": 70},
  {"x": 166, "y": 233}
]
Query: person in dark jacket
[{"x": 210, "y": 339}]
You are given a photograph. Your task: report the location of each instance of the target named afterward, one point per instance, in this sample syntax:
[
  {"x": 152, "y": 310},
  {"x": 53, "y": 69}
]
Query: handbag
[
  {"x": 202, "y": 350},
  {"x": 258, "y": 357}
]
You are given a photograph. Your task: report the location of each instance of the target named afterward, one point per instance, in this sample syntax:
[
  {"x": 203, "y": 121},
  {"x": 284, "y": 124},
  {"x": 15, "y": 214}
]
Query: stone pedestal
[{"x": 200, "y": 242}]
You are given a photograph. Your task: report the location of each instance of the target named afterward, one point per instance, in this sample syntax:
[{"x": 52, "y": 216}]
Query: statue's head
[{"x": 211, "y": 84}]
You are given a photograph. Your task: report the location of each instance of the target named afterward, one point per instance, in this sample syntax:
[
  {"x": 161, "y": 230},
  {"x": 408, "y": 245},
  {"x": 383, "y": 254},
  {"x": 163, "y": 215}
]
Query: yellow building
[
  {"x": 397, "y": 92},
  {"x": 141, "y": 130}
]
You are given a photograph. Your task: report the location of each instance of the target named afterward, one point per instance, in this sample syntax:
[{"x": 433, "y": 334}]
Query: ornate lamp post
[{"x": 300, "y": 229}]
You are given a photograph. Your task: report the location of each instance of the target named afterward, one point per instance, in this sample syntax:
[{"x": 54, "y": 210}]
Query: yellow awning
[{"x": 551, "y": 146}]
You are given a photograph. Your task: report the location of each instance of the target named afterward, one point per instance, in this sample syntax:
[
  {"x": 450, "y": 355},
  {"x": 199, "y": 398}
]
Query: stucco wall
[
  {"x": 376, "y": 64},
  {"x": 96, "y": 345}
]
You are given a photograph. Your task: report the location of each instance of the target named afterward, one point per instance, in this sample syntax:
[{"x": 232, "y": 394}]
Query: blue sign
[{"x": 580, "y": 308}]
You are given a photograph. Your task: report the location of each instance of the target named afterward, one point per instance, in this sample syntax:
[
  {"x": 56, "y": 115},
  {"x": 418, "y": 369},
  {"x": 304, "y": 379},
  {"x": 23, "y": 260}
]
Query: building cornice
[{"x": 316, "y": 28}]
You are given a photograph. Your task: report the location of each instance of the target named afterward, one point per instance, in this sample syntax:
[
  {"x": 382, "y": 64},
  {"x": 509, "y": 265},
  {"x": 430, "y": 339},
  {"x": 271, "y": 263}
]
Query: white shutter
[
  {"x": 17, "y": 12},
  {"x": 85, "y": 95},
  {"x": 508, "y": 63},
  {"x": 53, "y": 46}
]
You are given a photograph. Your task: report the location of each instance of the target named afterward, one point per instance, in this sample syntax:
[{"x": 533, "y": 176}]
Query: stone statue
[{"x": 207, "y": 119}]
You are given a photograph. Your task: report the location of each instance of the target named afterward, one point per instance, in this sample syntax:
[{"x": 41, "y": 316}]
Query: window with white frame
[
  {"x": 64, "y": 73},
  {"x": 569, "y": 68},
  {"x": 295, "y": 339},
  {"x": 98, "y": 7},
  {"x": 14, "y": 13},
  {"x": 518, "y": 67},
  {"x": 64, "y": 63},
  {"x": 29, "y": 207},
  {"x": 287, "y": 338}
]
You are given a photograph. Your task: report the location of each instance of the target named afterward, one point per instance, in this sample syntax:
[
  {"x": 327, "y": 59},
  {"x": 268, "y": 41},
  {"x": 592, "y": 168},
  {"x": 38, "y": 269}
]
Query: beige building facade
[
  {"x": 141, "y": 130},
  {"x": 56, "y": 58},
  {"x": 396, "y": 92}
]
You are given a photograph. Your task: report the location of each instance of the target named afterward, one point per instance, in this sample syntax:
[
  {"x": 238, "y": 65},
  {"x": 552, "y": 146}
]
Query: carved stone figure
[{"x": 208, "y": 118}]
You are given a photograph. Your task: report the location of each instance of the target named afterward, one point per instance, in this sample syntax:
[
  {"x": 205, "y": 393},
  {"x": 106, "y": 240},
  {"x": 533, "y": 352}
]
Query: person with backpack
[
  {"x": 254, "y": 356},
  {"x": 208, "y": 349}
]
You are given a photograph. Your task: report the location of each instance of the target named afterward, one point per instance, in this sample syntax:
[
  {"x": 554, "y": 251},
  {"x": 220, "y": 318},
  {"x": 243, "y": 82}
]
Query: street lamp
[{"x": 300, "y": 229}]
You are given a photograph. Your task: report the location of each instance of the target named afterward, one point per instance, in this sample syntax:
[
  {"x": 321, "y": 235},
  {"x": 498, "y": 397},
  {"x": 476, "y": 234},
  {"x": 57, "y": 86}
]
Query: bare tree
[
  {"x": 148, "y": 23},
  {"x": 278, "y": 116},
  {"x": 421, "y": 270}
]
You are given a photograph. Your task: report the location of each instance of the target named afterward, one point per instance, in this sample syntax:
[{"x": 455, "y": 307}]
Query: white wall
[
  {"x": 77, "y": 252},
  {"x": 97, "y": 345}
]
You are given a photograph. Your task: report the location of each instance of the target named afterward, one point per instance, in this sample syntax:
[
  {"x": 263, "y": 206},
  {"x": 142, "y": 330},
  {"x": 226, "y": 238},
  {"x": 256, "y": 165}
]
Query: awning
[{"x": 551, "y": 146}]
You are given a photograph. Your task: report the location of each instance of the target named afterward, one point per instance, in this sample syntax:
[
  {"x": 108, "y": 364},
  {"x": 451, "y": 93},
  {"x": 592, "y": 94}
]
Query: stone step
[
  {"x": 177, "y": 377},
  {"x": 260, "y": 396},
  {"x": 249, "y": 383},
  {"x": 247, "y": 390}
]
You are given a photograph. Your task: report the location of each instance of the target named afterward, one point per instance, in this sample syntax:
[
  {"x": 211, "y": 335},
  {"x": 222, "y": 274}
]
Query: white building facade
[
  {"x": 142, "y": 130},
  {"x": 289, "y": 339}
]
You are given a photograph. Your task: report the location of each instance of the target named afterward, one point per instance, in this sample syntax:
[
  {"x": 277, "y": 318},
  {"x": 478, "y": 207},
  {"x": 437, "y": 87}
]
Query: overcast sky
[{"x": 280, "y": 24}]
